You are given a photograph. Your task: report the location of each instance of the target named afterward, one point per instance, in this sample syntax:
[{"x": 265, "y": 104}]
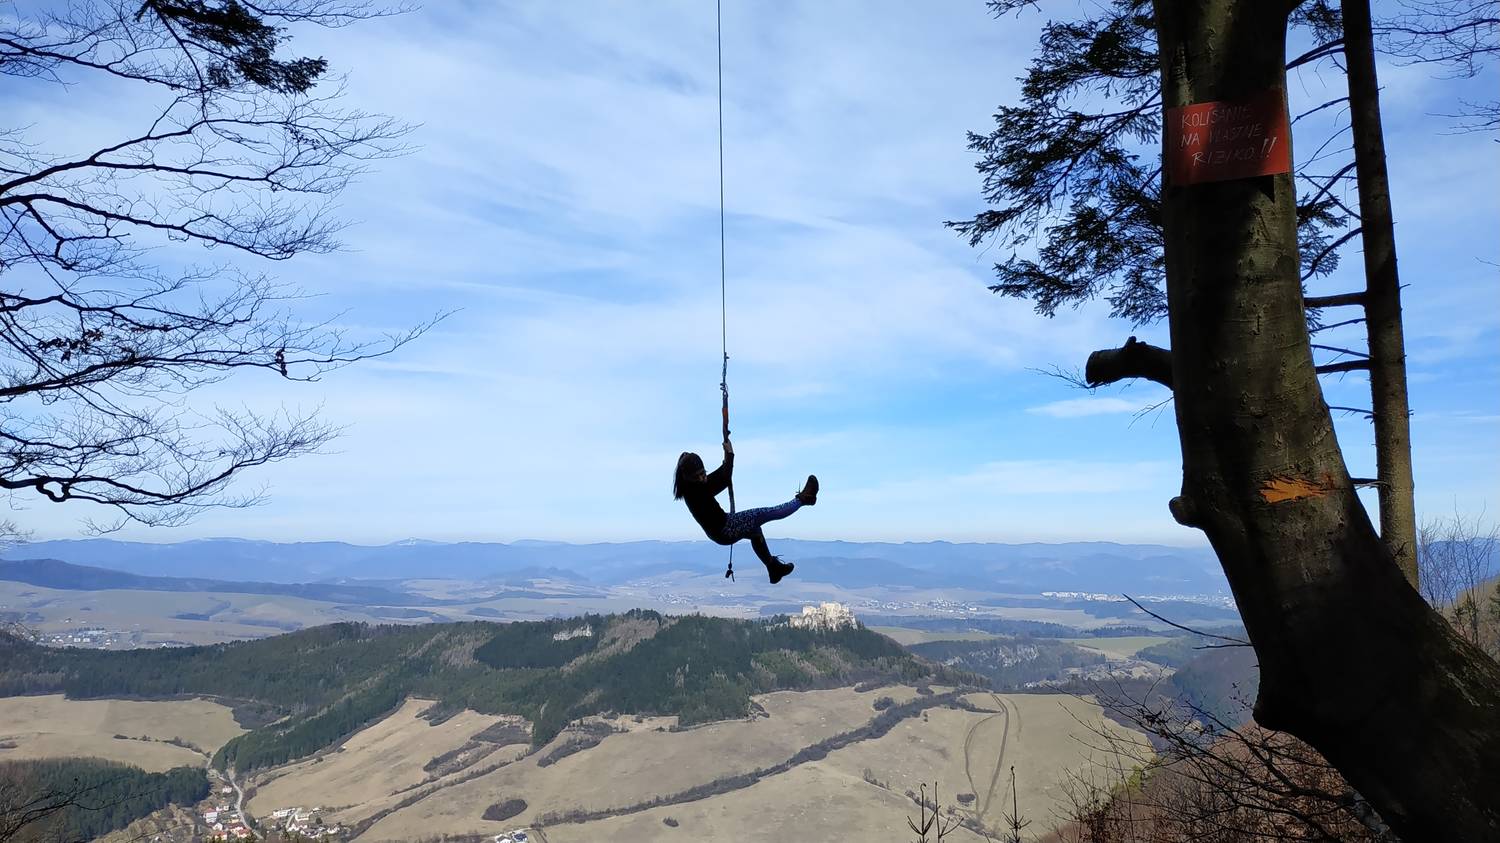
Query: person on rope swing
[{"x": 698, "y": 489}]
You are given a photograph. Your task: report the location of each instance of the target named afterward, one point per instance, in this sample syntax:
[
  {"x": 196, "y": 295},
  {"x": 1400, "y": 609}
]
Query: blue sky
[{"x": 563, "y": 199}]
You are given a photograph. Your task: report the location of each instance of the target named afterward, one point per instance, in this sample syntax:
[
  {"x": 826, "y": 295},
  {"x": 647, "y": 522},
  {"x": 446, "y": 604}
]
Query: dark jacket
[{"x": 700, "y": 500}]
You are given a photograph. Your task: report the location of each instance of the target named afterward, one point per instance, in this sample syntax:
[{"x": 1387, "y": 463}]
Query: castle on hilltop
[{"x": 829, "y": 616}]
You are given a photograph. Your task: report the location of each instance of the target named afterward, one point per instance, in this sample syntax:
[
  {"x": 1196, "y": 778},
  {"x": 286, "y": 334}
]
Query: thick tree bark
[
  {"x": 1352, "y": 660},
  {"x": 1382, "y": 299}
]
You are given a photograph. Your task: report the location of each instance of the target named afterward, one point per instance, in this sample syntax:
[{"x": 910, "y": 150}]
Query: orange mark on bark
[{"x": 1283, "y": 488}]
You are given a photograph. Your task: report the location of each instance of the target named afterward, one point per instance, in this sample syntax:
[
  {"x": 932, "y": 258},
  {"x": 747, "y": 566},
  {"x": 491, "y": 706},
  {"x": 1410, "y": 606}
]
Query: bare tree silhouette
[
  {"x": 929, "y": 818},
  {"x": 1210, "y": 780},
  {"x": 102, "y": 334}
]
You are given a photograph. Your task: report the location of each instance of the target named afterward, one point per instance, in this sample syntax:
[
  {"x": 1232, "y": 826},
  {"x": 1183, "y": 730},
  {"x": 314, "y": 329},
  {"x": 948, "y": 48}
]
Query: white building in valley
[{"x": 829, "y": 616}]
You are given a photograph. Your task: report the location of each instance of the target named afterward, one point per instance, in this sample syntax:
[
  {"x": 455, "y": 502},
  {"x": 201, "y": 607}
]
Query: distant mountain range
[
  {"x": 53, "y": 573},
  {"x": 1004, "y": 568}
]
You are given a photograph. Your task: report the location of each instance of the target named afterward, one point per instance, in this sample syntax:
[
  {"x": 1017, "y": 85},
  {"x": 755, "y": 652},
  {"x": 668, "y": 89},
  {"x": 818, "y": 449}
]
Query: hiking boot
[
  {"x": 778, "y": 570},
  {"x": 809, "y": 494}
]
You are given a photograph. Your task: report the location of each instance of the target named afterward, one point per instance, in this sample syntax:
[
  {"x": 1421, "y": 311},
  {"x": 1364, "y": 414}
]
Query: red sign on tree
[{"x": 1215, "y": 141}]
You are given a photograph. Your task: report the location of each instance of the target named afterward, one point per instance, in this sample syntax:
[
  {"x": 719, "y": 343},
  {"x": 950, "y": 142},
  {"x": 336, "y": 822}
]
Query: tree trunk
[
  {"x": 1382, "y": 300},
  {"x": 1352, "y": 660}
]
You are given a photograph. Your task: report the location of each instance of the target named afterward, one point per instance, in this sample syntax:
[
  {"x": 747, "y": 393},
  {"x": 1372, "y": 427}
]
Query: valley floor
[
  {"x": 713, "y": 779},
  {"x": 407, "y": 778}
]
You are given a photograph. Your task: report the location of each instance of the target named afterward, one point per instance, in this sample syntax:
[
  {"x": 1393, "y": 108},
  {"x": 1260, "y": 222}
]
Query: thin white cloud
[{"x": 1073, "y": 408}]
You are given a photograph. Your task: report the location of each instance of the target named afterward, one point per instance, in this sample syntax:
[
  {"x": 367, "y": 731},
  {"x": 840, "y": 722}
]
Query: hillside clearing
[
  {"x": 1045, "y": 736},
  {"x": 52, "y": 726},
  {"x": 636, "y": 767},
  {"x": 1121, "y": 648},
  {"x": 907, "y": 637},
  {"x": 826, "y": 799},
  {"x": 815, "y": 801},
  {"x": 150, "y": 756},
  {"x": 376, "y": 762}
]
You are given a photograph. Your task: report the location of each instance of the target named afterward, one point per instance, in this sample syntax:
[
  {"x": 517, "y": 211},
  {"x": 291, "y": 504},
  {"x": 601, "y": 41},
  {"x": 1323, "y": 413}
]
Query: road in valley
[{"x": 239, "y": 800}]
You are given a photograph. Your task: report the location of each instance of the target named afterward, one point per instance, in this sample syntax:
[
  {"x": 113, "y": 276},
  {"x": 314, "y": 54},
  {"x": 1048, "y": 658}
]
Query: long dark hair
[{"x": 687, "y": 465}]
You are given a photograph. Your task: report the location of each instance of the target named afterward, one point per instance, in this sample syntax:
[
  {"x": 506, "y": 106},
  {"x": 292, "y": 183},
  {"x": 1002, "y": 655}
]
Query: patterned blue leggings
[{"x": 746, "y": 523}]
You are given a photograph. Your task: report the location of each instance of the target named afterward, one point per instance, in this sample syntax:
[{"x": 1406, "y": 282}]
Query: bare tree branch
[
  {"x": 1210, "y": 780},
  {"x": 98, "y": 344},
  {"x": 1236, "y": 642},
  {"x": 1132, "y": 360},
  {"x": 1345, "y": 366},
  {"x": 1338, "y": 300}
]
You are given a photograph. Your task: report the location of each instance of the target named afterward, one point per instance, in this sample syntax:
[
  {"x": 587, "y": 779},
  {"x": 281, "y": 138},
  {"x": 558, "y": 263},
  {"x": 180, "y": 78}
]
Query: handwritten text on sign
[{"x": 1214, "y": 141}]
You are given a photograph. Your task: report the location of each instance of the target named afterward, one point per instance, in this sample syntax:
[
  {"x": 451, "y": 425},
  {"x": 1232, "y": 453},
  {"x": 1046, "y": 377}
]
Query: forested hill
[
  {"x": 332, "y": 680},
  {"x": 93, "y": 797}
]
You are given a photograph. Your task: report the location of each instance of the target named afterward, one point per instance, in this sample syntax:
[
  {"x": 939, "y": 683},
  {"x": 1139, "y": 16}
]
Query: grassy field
[
  {"x": 829, "y": 798},
  {"x": 826, "y": 799},
  {"x": 1115, "y": 648},
  {"x": 151, "y": 613},
  {"x": 379, "y": 761},
  {"x": 150, "y": 756},
  {"x": 1118, "y": 648},
  {"x": 816, "y": 801},
  {"x": 907, "y": 637},
  {"x": 627, "y": 769},
  {"x": 54, "y": 727},
  {"x": 1044, "y": 736}
]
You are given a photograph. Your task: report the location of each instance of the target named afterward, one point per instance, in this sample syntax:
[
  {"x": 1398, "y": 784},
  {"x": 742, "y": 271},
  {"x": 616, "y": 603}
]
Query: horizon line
[{"x": 415, "y": 541}]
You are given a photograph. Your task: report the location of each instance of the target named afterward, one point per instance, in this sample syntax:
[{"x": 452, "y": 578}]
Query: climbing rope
[{"x": 723, "y": 274}]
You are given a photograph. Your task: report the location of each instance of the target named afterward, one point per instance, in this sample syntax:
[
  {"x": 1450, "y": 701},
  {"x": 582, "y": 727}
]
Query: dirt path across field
[{"x": 986, "y": 795}]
